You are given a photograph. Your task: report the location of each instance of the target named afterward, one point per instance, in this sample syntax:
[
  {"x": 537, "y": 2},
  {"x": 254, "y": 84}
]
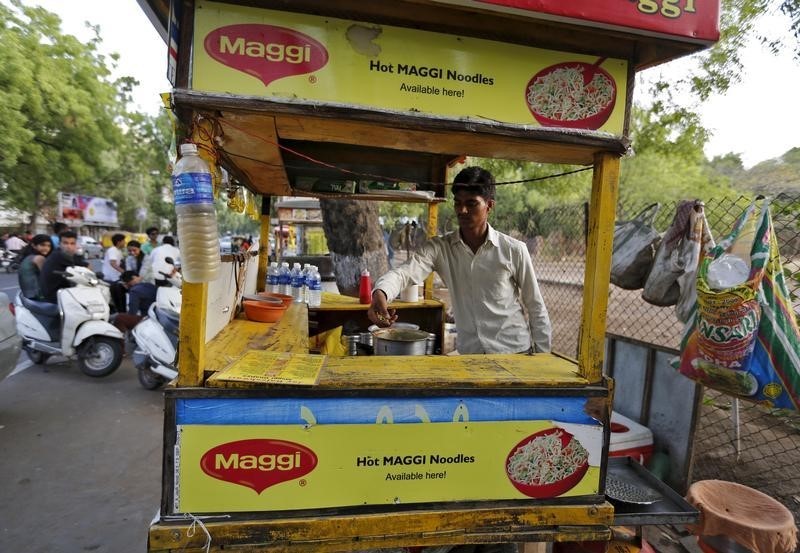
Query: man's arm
[
  {"x": 388, "y": 286},
  {"x": 531, "y": 297}
]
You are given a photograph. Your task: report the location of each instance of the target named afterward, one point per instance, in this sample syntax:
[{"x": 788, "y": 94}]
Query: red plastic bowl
[
  {"x": 285, "y": 299},
  {"x": 263, "y": 312},
  {"x": 592, "y": 122},
  {"x": 556, "y": 488}
]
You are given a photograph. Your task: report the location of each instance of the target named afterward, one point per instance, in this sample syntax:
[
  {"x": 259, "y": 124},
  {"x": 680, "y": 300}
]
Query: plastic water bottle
[
  {"x": 297, "y": 283},
  {"x": 314, "y": 287},
  {"x": 285, "y": 279},
  {"x": 197, "y": 219},
  {"x": 272, "y": 278},
  {"x": 306, "y": 272}
]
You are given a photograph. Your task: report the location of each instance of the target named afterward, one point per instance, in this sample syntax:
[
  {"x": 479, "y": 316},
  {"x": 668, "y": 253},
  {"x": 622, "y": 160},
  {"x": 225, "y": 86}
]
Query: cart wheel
[
  {"x": 100, "y": 356},
  {"x": 148, "y": 379}
]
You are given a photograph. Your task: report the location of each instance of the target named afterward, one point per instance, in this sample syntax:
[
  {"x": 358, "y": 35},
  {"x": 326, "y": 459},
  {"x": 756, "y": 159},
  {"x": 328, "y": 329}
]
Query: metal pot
[{"x": 400, "y": 341}]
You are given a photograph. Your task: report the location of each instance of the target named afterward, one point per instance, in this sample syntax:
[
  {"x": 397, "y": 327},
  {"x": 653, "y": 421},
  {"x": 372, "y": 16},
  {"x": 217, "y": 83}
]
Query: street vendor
[{"x": 489, "y": 275}]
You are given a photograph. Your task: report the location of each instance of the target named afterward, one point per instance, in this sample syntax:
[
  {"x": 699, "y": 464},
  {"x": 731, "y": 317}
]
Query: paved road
[{"x": 80, "y": 458}]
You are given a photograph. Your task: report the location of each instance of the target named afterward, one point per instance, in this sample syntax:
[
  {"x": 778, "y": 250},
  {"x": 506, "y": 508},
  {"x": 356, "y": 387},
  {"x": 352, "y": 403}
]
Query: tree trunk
[{"x": 355, "y": 240}]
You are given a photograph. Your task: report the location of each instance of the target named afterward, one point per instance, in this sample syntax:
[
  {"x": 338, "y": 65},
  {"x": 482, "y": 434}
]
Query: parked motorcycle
[
  {"x": 156, "y": 353},
  {"x": 9, "y": 260},
  {"x": 77, "y": 326}
]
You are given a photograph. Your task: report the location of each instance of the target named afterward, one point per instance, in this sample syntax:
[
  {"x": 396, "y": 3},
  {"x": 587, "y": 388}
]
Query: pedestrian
[
  {"x": 496, "y": 299},
  {"x": 113, "y": 267},
  {"x": 157, "y": 260},
  {"x": 15, "y": 243},
  {"x": 152, "y": 240},
  {"x": 33, "y": 258},
  {"x": 58, "y": 228}
]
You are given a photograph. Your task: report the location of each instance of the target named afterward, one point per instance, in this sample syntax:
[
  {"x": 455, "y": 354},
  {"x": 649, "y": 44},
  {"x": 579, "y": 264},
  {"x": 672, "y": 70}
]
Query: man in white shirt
[
  {"x": 496, "y": 300},
  {"x": 112, "y": 259},
  {"x": 15, "y": 243},
  {"x": 155, "y": 263}
]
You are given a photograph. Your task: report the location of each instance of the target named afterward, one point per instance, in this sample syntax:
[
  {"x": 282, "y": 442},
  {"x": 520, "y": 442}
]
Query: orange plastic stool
[{"x": 750, "y": 518}]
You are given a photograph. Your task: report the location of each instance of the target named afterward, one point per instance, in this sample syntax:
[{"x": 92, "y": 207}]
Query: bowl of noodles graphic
[
  {"x": 572, "y": 94},
  {"x": 547, "y": 463}
]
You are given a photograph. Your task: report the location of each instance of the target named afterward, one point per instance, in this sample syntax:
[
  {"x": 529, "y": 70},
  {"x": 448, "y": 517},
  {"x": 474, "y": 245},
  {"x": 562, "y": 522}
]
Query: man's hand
[{"x": 378, "y": 311}]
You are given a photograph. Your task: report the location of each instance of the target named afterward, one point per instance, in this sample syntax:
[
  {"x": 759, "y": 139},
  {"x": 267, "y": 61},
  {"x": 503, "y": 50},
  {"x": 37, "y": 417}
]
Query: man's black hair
[
  {"x": 475, "y": 180},
  {"x": 151, "y": 229},
  {"x": 168, "y": 240},
  {"x": 134, "y": 244},
  {"x": 59, "y": 227},
  {"x": 68, "y": 234},
  {"x": 127, "y": 276},
  {"x": 117, "y": 238}
]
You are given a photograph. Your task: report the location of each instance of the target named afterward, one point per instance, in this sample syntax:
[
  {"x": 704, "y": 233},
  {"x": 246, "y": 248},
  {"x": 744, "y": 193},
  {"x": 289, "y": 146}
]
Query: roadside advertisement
[
  {"x": 691, "y": 20},
  {"x": 285, "y": 454},
  {"x": 298, "y": 57},
  {"x": 75, "y": 209}
]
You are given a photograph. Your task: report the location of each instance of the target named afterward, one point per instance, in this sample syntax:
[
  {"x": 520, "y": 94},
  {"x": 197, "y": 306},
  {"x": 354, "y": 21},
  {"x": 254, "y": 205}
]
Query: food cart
[{"x": 268, "y": 447}]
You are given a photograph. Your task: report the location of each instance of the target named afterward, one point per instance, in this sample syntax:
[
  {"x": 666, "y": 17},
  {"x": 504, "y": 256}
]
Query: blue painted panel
[{"x": 369, "y": 410}]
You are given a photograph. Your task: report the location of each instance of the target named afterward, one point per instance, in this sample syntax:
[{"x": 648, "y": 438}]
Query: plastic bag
[
  {"x": 699, "y": 242},
  {"x": 744, "y": 340},
  {"x": 635, "y": 244},
  {"x": 675, "y": 253}
]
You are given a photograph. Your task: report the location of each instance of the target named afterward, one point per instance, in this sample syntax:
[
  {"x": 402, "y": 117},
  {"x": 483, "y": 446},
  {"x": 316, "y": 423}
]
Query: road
[{"x": 80, "y": 468}]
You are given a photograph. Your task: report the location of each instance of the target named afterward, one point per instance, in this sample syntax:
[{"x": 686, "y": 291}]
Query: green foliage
[{"x": 231, "y": 222}]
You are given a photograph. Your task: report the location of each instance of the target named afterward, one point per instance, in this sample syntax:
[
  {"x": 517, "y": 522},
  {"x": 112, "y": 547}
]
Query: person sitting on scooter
[
  {"x": 33, "y": 258},
  {"x": 65, "y": 256},
  {"x": 140, "y": 294}
]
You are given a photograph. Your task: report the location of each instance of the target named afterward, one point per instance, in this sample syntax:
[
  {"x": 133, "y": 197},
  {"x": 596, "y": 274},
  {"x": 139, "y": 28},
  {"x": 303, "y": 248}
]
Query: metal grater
[{"x": 630, "y": 493}]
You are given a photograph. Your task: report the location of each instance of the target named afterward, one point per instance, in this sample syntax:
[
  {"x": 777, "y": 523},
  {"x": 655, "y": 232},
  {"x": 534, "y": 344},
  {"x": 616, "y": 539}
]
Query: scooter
[
  {"x": 76, "y": 326},
  {"x": 9, "y": 260},
  {"x": 156, "y": 353}
]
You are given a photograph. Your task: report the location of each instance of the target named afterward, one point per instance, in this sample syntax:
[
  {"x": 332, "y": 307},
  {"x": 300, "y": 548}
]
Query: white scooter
[
  {"x": 156, "y": 353},
  {"x": 77, "y": 325}
]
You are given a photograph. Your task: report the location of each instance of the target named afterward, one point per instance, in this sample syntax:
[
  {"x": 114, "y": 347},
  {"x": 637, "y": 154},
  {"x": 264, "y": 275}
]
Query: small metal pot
[{"x": 400, "y": 341}]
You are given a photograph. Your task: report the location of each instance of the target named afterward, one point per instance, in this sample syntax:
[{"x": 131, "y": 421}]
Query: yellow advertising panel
[
  {"x": 282, "y": 467},
  {"x": 297, "y": 57}
]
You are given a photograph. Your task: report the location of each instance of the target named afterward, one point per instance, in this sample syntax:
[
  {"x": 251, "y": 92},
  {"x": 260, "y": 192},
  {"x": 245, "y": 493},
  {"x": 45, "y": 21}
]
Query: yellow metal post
[
  {"x": 433, "y": 222},
  {"x": 602, "y": 212},
  {"x": 263, "y": 245},
  {"x": 192, "y": 334}
]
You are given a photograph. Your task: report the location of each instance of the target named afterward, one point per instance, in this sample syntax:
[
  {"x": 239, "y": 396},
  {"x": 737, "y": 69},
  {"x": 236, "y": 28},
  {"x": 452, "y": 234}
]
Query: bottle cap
[
  {"x": 188, "y": 149},
  {"x": 365, "y": 272}
]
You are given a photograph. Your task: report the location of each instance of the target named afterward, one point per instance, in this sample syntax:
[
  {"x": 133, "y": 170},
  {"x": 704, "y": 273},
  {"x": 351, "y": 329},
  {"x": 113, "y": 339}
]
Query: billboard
[{"x": 75, "y": 210}]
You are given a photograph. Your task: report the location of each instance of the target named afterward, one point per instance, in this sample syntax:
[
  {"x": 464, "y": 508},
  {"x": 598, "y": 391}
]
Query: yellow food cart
[{"x": 268, "y": 447}]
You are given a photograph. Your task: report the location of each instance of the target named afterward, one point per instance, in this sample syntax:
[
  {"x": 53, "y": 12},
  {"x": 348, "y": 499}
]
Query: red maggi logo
[
  {"x": 266, "y": 52},
  {"x": 259, "y": 463}
]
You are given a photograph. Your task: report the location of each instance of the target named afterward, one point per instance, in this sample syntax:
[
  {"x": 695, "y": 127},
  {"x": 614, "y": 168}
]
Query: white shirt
[
  {"x": 15, "y": 243},
  {"x": 157, "y": 257},
  {"x": 491, "y": 291},
  {"x": 110, "y": 274}
]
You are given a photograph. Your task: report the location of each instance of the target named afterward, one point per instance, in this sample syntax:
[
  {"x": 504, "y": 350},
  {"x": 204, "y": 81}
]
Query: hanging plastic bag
[
  {"x": 699, "y": 242},
  {"x": 635, "y": 244},
  {"x": 674, "y": 254},
  {"x": 743, "y": 339}
]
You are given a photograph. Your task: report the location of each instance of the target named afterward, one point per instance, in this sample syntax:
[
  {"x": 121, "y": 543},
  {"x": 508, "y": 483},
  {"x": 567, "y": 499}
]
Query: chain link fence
[{"x": 737, "y": 441}]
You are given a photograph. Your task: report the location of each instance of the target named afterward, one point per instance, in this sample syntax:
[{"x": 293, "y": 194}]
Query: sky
[{"x": 758, "y": 118}]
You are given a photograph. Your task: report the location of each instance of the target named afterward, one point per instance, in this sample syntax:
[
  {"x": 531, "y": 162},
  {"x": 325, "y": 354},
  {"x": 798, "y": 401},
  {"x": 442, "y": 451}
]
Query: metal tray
[{"x": 669, "y": 508}]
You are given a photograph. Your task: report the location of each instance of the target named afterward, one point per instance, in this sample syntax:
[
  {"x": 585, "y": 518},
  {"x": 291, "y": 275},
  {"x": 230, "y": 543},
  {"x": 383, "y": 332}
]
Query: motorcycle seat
[{"x": 41, "y": 307}]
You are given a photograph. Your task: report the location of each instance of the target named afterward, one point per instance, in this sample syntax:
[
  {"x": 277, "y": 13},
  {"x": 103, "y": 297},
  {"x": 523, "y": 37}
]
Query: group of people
[{"x": 133, "y": 270}]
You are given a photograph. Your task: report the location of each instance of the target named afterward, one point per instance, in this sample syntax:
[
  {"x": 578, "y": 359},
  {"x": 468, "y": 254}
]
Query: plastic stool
[{"x": 750, "y": 518}]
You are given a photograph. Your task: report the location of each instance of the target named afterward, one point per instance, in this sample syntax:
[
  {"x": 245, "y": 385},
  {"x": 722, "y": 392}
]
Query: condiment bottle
[{"x": 365, "y": 288}]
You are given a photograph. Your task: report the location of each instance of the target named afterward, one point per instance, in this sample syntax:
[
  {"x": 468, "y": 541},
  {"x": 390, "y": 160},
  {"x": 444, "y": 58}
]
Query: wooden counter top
[{"x": 386, "y": 372}]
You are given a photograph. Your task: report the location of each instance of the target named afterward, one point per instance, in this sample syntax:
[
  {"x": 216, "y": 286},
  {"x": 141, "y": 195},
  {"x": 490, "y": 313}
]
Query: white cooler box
[{"x": 630, "y": 439}]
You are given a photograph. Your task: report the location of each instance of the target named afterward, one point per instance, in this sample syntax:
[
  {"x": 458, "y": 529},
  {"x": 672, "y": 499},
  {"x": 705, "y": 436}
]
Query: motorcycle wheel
[
  {"x": 100, "y": 356},
  {"x": 148, "y": 379},
  {"x": 37, "y": 357}
]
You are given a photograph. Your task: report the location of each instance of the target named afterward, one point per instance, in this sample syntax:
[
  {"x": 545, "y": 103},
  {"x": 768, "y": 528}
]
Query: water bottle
[
  {"x": 314, "y": 287},
  {"x": 272, "y": 278},
  {"x": 306, "y": 272},
  {"x": 197, "y": 219},
  {"x": 285, "y": 279},
  {"x": 297, "y": 283}
]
